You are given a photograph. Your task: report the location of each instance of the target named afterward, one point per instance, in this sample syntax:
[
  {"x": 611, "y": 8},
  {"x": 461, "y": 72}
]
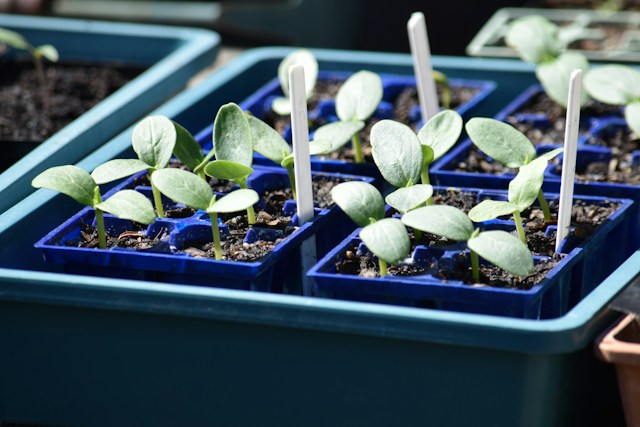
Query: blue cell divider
[
  {"x": 585, "y": 264},
  {"x": 170, "y": 55}
]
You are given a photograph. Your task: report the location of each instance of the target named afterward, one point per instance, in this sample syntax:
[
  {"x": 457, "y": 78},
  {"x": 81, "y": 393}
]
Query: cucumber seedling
[{"x": 282, "y": 105}]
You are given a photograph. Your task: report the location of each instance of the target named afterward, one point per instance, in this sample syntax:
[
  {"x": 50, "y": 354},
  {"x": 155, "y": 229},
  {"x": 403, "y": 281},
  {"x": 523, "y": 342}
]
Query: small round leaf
[
  {"x": 501, "y": 141},
  {"x": 441, "y": 132},
  {"x": 153, "y": 140},
  {"x": 232, "y": 135},
  {"x": 359, "y": 96},
  {"x": 183, "y": 187},
  {"x": 524, "y": 188},
  {"x": 339, "y": 133},
  {"x": 117, "y": 169},
  {"x": 556, "y": 75},
  {"x": 69, "y": 180},
  {"x": 361, "y": 201},
  {"x": 387, "y": 239},
  {"x": 492, "y": 209},
  {"x": 503, "y": 250},
  {"x": 129, "y": 204},
  {"x": 49, "y": 52},
  {"x": 441, "y": 220},
  {"x": 535, "y": 38},
  {"x": 236, "y": 201},
  {"x": 408, "y": 198},
  {"x": 222, "y": 169},
  {"x": 397, "y": 152}
]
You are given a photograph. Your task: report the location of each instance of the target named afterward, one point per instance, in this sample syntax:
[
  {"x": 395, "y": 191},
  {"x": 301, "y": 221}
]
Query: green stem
[
  {"x": 292, "y": 180},
  {"x": 157, "y": 199},
  {"x": 544, "y": 205},
  {"x": 475, "y": 266},
  {"x": 518, "y": 220},
  {"x": 215, "y": 231},
  {"x": 417, "y": 234},
  {"x": 251, "y": 216},
  {"x": 383, "y": 267},
  {"x": 102, "y": 238},
  {"x": 424, "y": 176},
  {"x": 357, "y": 148},
  {"x": 43, "y": 84}
]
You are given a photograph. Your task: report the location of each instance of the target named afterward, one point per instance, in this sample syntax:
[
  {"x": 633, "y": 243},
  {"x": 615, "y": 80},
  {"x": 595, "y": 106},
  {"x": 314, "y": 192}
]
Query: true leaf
[
  {"x": 556, "y": 75},
  {"x": 267, "y": 141},
  {"x": 232, "y": 135},
  {"x": 361, "y": 201},
  {"x": 632, "y": 116},
  {"x": 117, "y": 169},
  {"x": 501, "y": 141},
  {"x": 153, "y": 140},
  {"x": 238, "y": 200},
  {"x": 441, "y": 132},
  {"x": 397, "y": 152},
  {"x": 187, "y": 148},
  {"x": 359, "y": 96},
  {"x": 70, "y": 180},
  {"x": 183, "y": 187},
  {"x": 223, "y": 169},
  {"x": 408, "y": 198},
  {"x": 613, "y": 84},
  {"x": 491, "y": 209},
  {"x": 504, "y": 250},
  {"x": 339, "y": 133},
  {"x": 387, "y": 239},
  {"x": 129, "y": 204},
  {"x": 535, "y": 38},
  {"x": 441, "y": 220}
]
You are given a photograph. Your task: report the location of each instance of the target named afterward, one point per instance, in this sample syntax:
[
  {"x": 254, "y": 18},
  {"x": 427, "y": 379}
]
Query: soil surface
[{"x": 586, "y": 4}]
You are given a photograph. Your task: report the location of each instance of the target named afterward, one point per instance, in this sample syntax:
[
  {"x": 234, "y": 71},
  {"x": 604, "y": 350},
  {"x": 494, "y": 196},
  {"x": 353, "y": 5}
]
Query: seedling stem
[{"x": 215, "y": 231}]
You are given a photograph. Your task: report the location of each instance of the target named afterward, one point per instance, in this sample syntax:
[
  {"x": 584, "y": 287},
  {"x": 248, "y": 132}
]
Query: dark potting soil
[
  {"x": 73, "y": 89},
  {"x": 366, "y": 266},
  {"x": 233, "y": 249},
  {"x": 134, "y": 239},
  {"x": 321, "y": 187}
]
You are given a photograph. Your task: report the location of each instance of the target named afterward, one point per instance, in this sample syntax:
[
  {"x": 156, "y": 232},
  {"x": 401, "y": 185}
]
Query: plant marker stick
[
  {"x": 421, "y": 53},
  {"x": 302, "y": 168},
  {"x": 569, "y": 157}
]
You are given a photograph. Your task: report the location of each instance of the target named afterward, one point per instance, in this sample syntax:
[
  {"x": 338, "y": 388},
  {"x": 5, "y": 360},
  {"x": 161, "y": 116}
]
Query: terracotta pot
[{"x": 621, "y": 346}]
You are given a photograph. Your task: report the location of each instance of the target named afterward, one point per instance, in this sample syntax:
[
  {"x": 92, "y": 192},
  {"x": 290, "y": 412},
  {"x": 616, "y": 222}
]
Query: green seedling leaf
[
  {"x": 316, "y": 147},
  {"x": 555, "y": 76},
  {"x": 535, "y": 38},
  {"x": 187, "y": 148},
  {"x": 223, "y": 169},
  {"x": 408, "y": 198},
  {"x": 613, "y": 84},
  {"x": 117, "y": 169},
  {"x": 236, "y": 201},
  {"x": 632, "y": 116},
  {"x": 492, "y": 209},
  {"x": 267, "y": 141},
  {"x": 359, "y": 96},
  {"x": 441, "y": 132},
  {"x": 441, "y": 220},
  {"x": 183, "y": 187},
  {"x": 397, "y": 152},
  {"x": 48, "y": 51},
  {"x": 361, "y": 201},
  {"x": 504, "y": 250},
  {"x": 302, "y": 57},
  {"x": 129, "y": 204},
  {"x": 153, "y": 141},
  {"x": 232, "y": 135},
  {"x": 442, "y": 81},
  {"x": 69, "y": 180},
  {"x": 339, "y": 133},
  {"x": 387, "y": 239},
  {"x": 524, "y": 188},
  {"x": 501, "y": 141},
  {"x": 13, "y": 39}
]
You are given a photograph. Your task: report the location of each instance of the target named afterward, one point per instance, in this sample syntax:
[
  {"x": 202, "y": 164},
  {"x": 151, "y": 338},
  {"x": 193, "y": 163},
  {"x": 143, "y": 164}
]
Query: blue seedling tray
[
  {"x": 171, "y": 56},
  {"x": 586, "y": 263},
  {"x": 259, "y": 104}
]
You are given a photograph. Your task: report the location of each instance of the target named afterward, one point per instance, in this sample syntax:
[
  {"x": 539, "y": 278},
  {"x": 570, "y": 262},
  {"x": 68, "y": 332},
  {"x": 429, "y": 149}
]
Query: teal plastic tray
[
  {"x": 82, "y": 350},
  {"x": 171, "y": 55}
]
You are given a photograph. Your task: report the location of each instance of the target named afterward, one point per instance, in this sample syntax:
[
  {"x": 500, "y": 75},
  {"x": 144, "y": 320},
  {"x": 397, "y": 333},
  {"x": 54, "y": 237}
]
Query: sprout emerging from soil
[
  {"x": 187, "y": 188},
  {"x": 80, "y": 186},
  {"x": 498, "y": 247},
  {"x": 538, "y": 41},
  {"x": 282, "y": 105}
]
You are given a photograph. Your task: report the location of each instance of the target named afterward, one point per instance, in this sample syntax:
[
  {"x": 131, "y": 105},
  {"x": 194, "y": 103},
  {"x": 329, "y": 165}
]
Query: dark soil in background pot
[{"x": 583, "y": 4}]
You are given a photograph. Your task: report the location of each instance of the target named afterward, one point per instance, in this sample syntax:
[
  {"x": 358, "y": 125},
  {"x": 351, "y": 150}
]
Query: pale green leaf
[
  {"x": 281, "y": 106},
  {"x": 13, "y": 39},
  {"x": 441, "y": 132},
  {"x": 223, "y": 169},
  {"x": 361, "y": 201},
  {"x": 187, "y": 148},
  {"x": 129, "y": 204},
  {"x": 153, "y": 140},
  {"x": 556, "y": 75},
  {"x": 503, "y": 250},
  {"x": 492, "y": 209},
  {"x": 387, "y": 239},
  {"x": 549, "y": 155},
  {"x": 117, "y": 169},
  {"x": 408, "y": 198},
  {"x": 183, "y": 187},
  {"x": 359, "y": 96},
  {"x": 232, "y": 135},
  {"x": 632, "y": 116},
  {"x": 339, "y": 133},
  {"x": 535, "y": 38},
  {"x": 319, "y": 146},
  {"x": 613, "y": 84},
  {"x": 267, "y": 141},
  {"x": 397, "y": 152},
  {"x": 238, "y": 200},
  {"x": 49, "y": 52},
  {"x": 441, "y": 220},
  {"x": 302, "y": 57},
  {"x": 524, "y": 188},
  {"x": 502, "y": 142},
  {"x": 69, "y": 180}
]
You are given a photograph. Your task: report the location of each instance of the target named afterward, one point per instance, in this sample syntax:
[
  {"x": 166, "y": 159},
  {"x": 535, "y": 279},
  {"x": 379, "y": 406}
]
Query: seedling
[
  {"x": 187, "y": 188},
  {"x": 507, "y": 146},
  {"x": 538, "y": 41},
  {"x": 387, "y": 238},
  {"x": 617, "y": 85},
  {"x": 79, "y": 185},
  {"x": 154, "y": 139},
  {"x": 523, "y": 191},
  {"x": 17, "y": 41},
  {"x": 498, "y": 247},
  {"x": 282, "y": 105}
]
